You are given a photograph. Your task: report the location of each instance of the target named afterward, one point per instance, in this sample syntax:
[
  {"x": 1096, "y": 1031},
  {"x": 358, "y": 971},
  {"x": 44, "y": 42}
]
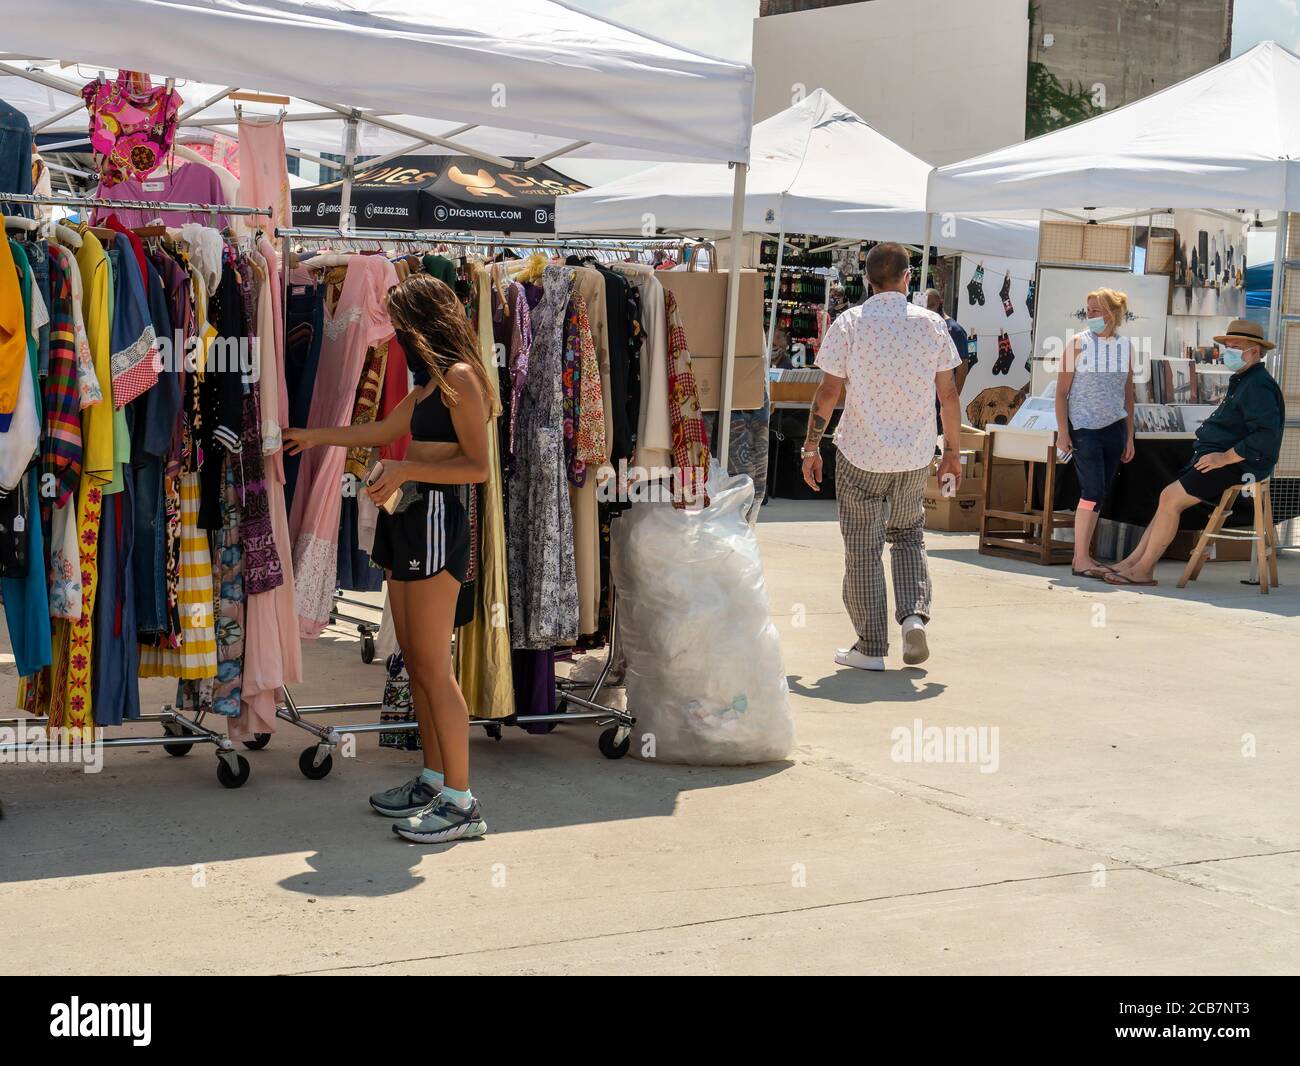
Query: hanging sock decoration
[
  {"x": 1005, "y": 354},
  {"x": 1029, "y": 298},
  {"x": 132, "y": 125},
  {"x": 975, "y": 290},
  {"x": 972, "y": 350},
  {"x": 1005, "y": 294}
]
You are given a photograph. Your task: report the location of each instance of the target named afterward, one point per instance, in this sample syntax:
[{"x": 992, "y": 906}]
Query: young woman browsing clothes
[{"x": 424, "y": 545}]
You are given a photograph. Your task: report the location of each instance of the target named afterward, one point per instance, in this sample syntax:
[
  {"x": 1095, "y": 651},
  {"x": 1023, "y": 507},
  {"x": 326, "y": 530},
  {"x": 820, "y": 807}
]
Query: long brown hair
[{"x": 434, "y": 321}]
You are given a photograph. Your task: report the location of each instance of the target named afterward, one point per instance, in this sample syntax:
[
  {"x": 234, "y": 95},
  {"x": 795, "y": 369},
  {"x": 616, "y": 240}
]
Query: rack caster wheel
[
  {"x": 232, "y": 778},
  {"x": 259, "y": 741},
  {"x": 178, "y": 749},
  {"x": 613, "y": 748},
  {"x": 307, "y": 764},
  {"x": 367, "y": 648},
  {"x": 494, "y": 731}
]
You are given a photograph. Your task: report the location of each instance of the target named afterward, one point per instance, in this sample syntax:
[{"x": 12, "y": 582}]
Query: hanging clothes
[
  {"x": 196, "y": 657},
  {"x": 543, "y": 573},
  {"x": 263, "y": 174},
  {"x": 357, "y": 322},
  {"x": 690, "y": 436},
  {"x": 26, "y": 603},
  {"x": 132, "y": 125},
  {"x": 483, "y": 643},
  {"x": 67, "y": 698},
  {"x": 654, "y": 422},
  {"x": 87, "y": 381},
  {"x": 272, "y": 650},
  {"x": 302, "y": 344}
]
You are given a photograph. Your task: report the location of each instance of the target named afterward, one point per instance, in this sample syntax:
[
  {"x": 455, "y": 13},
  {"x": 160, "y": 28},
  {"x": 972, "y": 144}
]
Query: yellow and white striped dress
[{"x": 197, "y": 656}]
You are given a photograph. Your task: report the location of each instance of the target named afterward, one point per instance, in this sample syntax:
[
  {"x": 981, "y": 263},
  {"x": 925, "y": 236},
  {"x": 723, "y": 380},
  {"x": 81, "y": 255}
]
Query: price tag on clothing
[{"x": 153, "y": 186}]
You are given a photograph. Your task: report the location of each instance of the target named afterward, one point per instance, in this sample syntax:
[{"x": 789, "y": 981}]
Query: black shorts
[
  {"x": 1211, "y": 486},
  {"x": 1097, "y": 455},
  {"x": 429, "y": 535}
]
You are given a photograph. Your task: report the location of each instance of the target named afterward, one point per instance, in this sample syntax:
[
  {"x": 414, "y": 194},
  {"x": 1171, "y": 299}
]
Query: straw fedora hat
[{"x": 1243, "y": 329}]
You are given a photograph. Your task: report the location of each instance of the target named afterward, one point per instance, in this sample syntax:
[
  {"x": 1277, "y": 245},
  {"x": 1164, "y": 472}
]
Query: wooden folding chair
[{"x": 1263, "y": 533}]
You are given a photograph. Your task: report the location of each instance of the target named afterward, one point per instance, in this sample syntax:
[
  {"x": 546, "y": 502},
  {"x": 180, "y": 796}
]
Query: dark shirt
[
  {"x": 962, "y": 343},
  {"x": 959, "y": 339},
  {"x": 1249, "y": 421}
]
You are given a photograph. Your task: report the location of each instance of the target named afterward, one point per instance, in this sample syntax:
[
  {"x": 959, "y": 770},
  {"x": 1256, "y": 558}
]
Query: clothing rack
[
  {"x": 319, "y": 234},
  {"x": 133, "y": 205},
  {"x": 316, "y": 761},
  {"x": 180, "y": 731}
]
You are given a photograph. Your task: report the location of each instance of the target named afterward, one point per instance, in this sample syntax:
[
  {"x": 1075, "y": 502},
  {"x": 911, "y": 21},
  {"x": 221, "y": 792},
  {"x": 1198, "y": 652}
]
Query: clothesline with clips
[
  {"x": 992, "y": 273},
  {"x": 133, "y": 205}
]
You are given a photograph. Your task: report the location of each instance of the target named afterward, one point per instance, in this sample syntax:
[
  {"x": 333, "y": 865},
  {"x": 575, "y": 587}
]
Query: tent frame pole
[
  {"x": 733, "y": 313},
  {"x": 349, "y": 167},
  {"x": 776, "y": 292},
  {"x": 925, "y": 252},
  {"x": 1279, "y": 274}
]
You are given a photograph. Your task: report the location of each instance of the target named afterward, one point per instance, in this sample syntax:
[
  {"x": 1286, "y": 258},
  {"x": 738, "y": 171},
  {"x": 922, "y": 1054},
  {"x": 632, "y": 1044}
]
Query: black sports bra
[{"x": 431, "y": 420}]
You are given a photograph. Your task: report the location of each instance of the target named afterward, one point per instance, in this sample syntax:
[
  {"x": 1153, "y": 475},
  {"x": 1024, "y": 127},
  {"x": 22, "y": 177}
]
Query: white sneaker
[
  {"x": 915, "y": 648},
  {"x": 854, "y": 658}
]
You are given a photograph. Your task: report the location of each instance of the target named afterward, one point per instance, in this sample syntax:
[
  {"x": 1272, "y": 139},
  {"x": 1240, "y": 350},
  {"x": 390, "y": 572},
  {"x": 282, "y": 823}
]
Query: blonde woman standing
[{"x": 1094, "y": 415}]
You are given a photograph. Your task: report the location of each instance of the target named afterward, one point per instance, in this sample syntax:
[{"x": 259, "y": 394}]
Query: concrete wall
[
  {"x": 1131, "y": 48},
  {"x": 943, "y": 78}
]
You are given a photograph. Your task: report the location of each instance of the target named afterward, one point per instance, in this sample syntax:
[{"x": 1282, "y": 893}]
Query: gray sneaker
[
  {"x": 404, "y": 800},
  {"x": 443, "y": 821}
]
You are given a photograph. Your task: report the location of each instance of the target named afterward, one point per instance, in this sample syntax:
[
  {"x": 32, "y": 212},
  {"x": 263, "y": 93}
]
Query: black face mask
[{"x": 419, "y": 369}]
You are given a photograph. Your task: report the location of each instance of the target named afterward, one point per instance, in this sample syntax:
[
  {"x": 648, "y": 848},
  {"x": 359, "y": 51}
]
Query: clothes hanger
[
  {"x": 18, "y": 222},
  {"x": 65, "y": 236}
]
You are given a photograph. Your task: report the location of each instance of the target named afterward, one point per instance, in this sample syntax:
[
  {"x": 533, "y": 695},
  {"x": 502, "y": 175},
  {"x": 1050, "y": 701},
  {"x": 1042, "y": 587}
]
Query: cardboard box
[
  {"x": 972, "y": 475},
  {"x": 953, "y": 514}
]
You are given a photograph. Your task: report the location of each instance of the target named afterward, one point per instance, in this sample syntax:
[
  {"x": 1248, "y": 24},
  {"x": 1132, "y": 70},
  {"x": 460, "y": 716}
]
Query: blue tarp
[{"x": 1259, "y": 285}]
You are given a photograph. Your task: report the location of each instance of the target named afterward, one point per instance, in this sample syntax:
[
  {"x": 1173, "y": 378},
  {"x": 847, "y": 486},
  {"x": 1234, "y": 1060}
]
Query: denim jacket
[{"x": 15, "y": 158}]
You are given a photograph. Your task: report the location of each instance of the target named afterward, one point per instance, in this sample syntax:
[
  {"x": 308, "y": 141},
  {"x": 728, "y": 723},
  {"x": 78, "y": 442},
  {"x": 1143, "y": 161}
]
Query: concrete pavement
[{"x": 1141, "y": 816}]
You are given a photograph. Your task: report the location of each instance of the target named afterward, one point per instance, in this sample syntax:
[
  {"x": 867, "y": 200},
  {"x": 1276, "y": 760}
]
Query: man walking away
[{"x": 888, "y": 358}]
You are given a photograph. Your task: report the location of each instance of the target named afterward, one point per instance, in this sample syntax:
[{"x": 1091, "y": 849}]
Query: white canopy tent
[
  {"x": 1227, "y": 138},
  {"x": 534, "y": 78},
  {"x": 816, "y": 167}
]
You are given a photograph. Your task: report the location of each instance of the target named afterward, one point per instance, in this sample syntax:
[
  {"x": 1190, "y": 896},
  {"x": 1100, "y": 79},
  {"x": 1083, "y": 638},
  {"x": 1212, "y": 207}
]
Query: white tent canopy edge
[{"x": 535, "y": 66}]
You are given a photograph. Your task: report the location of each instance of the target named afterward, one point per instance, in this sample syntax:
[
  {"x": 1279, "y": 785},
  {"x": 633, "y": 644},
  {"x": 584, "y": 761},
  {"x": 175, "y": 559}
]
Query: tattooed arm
[{"x": 819, "y": 419}]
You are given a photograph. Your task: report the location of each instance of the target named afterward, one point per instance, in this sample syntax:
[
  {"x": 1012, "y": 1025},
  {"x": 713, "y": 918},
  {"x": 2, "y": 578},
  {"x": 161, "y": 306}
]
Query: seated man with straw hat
[{"x": 1237, "y": 444}]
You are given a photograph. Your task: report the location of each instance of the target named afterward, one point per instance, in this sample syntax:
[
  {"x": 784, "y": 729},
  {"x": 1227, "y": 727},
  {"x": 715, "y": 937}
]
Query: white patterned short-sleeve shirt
[{"x": 889, "y": 350}]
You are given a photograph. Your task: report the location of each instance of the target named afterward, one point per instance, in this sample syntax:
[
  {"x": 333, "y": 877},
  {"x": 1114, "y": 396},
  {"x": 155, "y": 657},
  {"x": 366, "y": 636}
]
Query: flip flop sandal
[
  {"x": 1096, "y": 573},
  {"x": 1121, "y": 580}
]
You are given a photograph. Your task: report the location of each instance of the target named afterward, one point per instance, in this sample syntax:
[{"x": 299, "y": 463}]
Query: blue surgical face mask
[
  {"x": 1097, "y": 325},
  {"x": 1233, "y": 359}
]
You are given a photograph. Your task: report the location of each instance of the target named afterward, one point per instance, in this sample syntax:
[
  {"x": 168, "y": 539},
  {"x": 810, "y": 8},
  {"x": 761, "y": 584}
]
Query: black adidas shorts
[{"x": 429, "y": 535}]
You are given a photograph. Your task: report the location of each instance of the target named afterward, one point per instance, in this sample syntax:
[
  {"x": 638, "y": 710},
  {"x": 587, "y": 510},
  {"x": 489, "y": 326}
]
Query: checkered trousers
[{"x": 876, "y": 508}]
